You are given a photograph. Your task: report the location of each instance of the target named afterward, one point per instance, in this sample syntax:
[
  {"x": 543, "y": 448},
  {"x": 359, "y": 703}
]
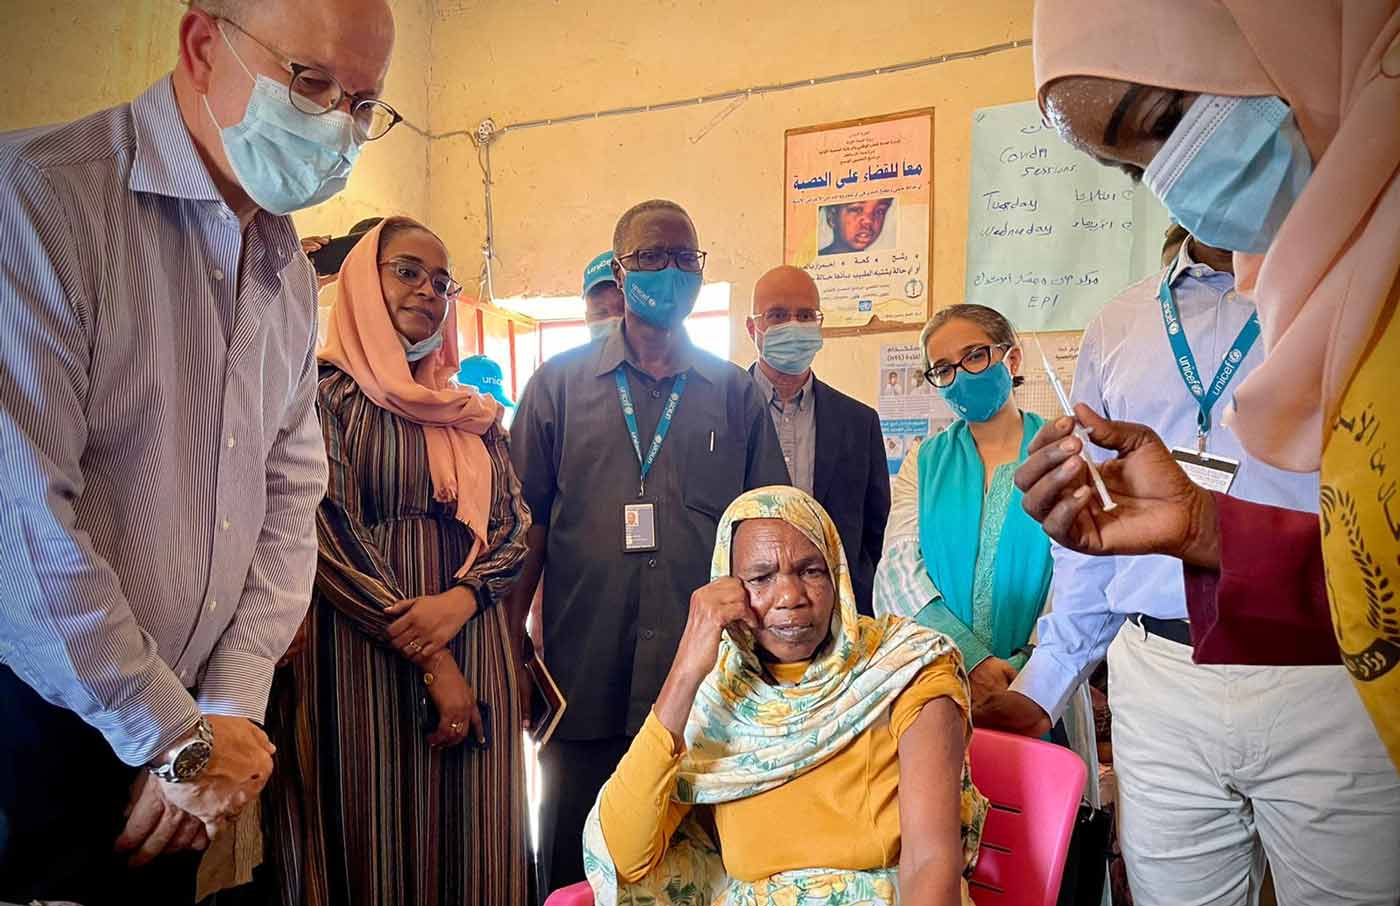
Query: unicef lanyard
[
  {"x": 1186, "y": 362},
  {"x": 629, "y": 412}
]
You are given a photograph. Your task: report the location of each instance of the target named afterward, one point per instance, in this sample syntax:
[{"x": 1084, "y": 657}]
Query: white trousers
[{"x": 1220, "y": 766}]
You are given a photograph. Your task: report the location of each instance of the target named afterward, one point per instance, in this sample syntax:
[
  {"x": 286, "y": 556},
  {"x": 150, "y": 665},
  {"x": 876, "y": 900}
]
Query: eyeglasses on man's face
[
  {"x": 315, "y": 92},
  {"x": 975, "y": 361},
  {"x": 412, "y": 274},
  {"x": 775, "y": 317},
  {"x": 658, "y": 259}
]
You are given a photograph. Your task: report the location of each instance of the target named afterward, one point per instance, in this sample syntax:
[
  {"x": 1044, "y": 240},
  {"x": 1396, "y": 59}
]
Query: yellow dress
[
  {"x": 843, "y": 814},
  {"x": 1361, "y": 528}
]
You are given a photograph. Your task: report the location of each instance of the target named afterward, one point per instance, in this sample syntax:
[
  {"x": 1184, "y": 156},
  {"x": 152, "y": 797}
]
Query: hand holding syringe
[{"x": 1079, "y": 431}]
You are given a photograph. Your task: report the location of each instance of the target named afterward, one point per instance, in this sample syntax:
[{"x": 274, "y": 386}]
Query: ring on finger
[
  {"x": 456, "y": 726},
  {"x": 415, "y": 646}
]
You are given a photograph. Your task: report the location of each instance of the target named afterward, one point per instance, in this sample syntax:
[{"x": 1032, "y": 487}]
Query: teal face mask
[
  {"x": 421, "y": 349},
  {"x": 284, "y": 159},
  {"x": 599, "y": 329},
  {"x": 977, "y": 397},
  {"x": 661, "y": 298},
  {"x": 1231, "y": 170},
  {"x": 791, "y": 347}
]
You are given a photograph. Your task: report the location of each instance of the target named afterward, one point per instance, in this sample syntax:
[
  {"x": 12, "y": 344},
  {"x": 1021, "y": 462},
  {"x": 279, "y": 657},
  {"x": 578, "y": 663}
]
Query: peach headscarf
[
  {"x": 362, "y": 342},
  {"x": 1324, "y": 284}
]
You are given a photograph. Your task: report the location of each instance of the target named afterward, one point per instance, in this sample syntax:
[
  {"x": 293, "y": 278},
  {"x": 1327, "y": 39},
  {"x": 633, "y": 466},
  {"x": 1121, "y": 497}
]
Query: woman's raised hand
[{"x": 721, "y": 604}]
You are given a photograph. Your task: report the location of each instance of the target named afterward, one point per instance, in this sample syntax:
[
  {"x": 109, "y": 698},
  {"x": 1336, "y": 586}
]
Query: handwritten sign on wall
[
  {"x": 858, "y": 218},
  {"x": 1052, "y": 235}
]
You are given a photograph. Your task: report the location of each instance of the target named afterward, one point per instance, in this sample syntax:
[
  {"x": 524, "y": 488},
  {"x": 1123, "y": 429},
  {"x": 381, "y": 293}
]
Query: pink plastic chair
[
  {"x": 579, "y": 894},
  {"x": 1034, "y": 788}
]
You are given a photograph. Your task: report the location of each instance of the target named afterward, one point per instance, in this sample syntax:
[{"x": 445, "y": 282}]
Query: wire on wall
[{"x": 487, "y": 132}]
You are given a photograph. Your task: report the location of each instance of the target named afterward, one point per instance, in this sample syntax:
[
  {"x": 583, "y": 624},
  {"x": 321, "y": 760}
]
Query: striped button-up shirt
[{"x": 160, "y": 457}]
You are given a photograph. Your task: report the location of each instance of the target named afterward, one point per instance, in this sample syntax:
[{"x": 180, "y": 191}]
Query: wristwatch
[{"x": 185, "y": 761}]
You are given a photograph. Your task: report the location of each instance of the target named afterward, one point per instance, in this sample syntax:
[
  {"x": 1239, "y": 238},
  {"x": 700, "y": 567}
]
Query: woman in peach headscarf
[
  {"x": 1270, "y": 127},
  {"x": 421, "y": 532},
  {"x": 1226, "y": 109}
]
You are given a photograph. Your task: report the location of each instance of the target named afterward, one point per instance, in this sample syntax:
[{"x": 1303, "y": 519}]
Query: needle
[{"x": 1079, "y": 432}]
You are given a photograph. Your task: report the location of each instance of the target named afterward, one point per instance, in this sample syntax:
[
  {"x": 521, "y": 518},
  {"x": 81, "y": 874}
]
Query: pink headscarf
[
  {"x": 362, "y": 342},
  {"x": 1324, "y": 284}
]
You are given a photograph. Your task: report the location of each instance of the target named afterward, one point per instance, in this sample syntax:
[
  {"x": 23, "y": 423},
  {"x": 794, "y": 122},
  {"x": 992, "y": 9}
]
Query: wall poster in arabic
[
  {"x": 1051, "y": 235},
  {"x": 858, "y": 218}
]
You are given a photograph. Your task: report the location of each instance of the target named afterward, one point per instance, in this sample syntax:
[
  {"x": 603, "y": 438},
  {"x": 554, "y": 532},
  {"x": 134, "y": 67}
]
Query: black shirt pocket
[{"x": 713, "y": 478}]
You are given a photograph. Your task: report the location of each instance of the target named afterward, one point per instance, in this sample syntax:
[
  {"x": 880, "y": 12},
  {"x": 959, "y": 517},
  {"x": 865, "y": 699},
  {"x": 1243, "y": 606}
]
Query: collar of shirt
[
  {"x": 770, "y": 393},
  {"x": 166, "y": 163},
  {"x": 1185, "y": 268},
  {"x": 615, "y": 351},
  {"x": 1185, "y": 264}
]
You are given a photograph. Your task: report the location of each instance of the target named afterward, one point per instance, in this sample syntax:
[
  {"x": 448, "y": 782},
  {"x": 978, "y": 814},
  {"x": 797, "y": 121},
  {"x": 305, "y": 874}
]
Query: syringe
[{"x": 1079, "y": 431}]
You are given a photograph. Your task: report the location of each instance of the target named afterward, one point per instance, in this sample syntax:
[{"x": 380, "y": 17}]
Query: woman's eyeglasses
[
  {"x": 411, "y": 273},
  {"x": 974, "y": 361}
]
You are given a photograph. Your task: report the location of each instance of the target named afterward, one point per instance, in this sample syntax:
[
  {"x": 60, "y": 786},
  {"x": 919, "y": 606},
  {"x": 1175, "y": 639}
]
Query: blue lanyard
[
  {"x": 1186, "y": 362},
  {"x": 629, "y": 412}
]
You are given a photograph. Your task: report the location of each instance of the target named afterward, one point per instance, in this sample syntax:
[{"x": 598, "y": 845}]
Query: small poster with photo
[{"x": 910, "y": 409}]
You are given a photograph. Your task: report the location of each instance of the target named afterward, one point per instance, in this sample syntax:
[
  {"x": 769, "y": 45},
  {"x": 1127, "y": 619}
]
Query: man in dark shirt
[{"x": 628, "y": 450}]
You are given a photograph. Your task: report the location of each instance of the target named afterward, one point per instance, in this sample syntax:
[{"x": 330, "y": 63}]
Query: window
[{"x": 561, "y": 323}]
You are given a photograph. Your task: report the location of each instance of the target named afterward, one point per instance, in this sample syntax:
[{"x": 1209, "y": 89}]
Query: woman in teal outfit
[{"x": 961, "y": 556}]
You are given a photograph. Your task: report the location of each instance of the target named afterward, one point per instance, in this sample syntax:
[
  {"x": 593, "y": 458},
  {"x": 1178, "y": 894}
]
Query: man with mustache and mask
[
  {"x": 628, "y": 451},
  {"x": 602, "y": 299},
  {"x": 162, "y": 458},
  {"x": 831, "y": 443}
]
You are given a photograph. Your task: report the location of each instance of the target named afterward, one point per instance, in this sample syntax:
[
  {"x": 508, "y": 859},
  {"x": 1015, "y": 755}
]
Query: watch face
[{"x": 190, "y": 762}]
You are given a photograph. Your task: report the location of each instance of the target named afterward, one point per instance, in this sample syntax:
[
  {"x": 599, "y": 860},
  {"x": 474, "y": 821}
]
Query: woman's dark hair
[
  {"x": 396, "y": 226},
  {"x": 992, "y": 322}
]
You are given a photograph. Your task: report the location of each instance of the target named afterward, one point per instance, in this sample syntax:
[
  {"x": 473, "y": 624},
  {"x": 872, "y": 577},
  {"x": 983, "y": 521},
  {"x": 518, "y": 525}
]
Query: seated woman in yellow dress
[{"x": 798, "y": 754}]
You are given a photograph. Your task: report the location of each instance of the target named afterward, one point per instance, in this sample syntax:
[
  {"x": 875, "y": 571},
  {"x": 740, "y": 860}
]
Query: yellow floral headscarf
[{"x": 746, "y": 735}]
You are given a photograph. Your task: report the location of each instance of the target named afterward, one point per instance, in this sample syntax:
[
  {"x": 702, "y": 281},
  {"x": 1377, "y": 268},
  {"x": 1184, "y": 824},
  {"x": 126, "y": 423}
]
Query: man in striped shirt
[{"x": 160, "y": 458}]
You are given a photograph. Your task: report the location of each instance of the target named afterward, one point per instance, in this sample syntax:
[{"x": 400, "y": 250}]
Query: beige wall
[
  {"x": 558, "y": 190},
  {"x": 60, "y": 60}
]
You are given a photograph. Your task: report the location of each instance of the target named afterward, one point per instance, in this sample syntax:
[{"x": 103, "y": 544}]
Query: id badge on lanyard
[
  {"x": 639, "y": 517},
  {"x": 1215, "y": 473}
]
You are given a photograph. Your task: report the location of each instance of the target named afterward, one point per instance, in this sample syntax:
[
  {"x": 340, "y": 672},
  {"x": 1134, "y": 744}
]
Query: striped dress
[{"x": 367, "y": 812}]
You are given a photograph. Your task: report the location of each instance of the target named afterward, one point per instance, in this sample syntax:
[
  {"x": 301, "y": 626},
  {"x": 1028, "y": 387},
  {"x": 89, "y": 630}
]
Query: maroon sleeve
[{"x": 1267, "y": 604}]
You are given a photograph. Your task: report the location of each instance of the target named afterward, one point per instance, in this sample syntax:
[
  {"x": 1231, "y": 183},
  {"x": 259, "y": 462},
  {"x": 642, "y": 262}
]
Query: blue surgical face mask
[
  {"x": 977, "y": 397},
  {"x": 790, "y": 347},
  {"x": 1231, "y": 170},
  {"x": 603, "y": 327},
  {"x": 421, "y": 349},
  {"x": 284, "y": 159},
  {"x": 661, "y": 298}
]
